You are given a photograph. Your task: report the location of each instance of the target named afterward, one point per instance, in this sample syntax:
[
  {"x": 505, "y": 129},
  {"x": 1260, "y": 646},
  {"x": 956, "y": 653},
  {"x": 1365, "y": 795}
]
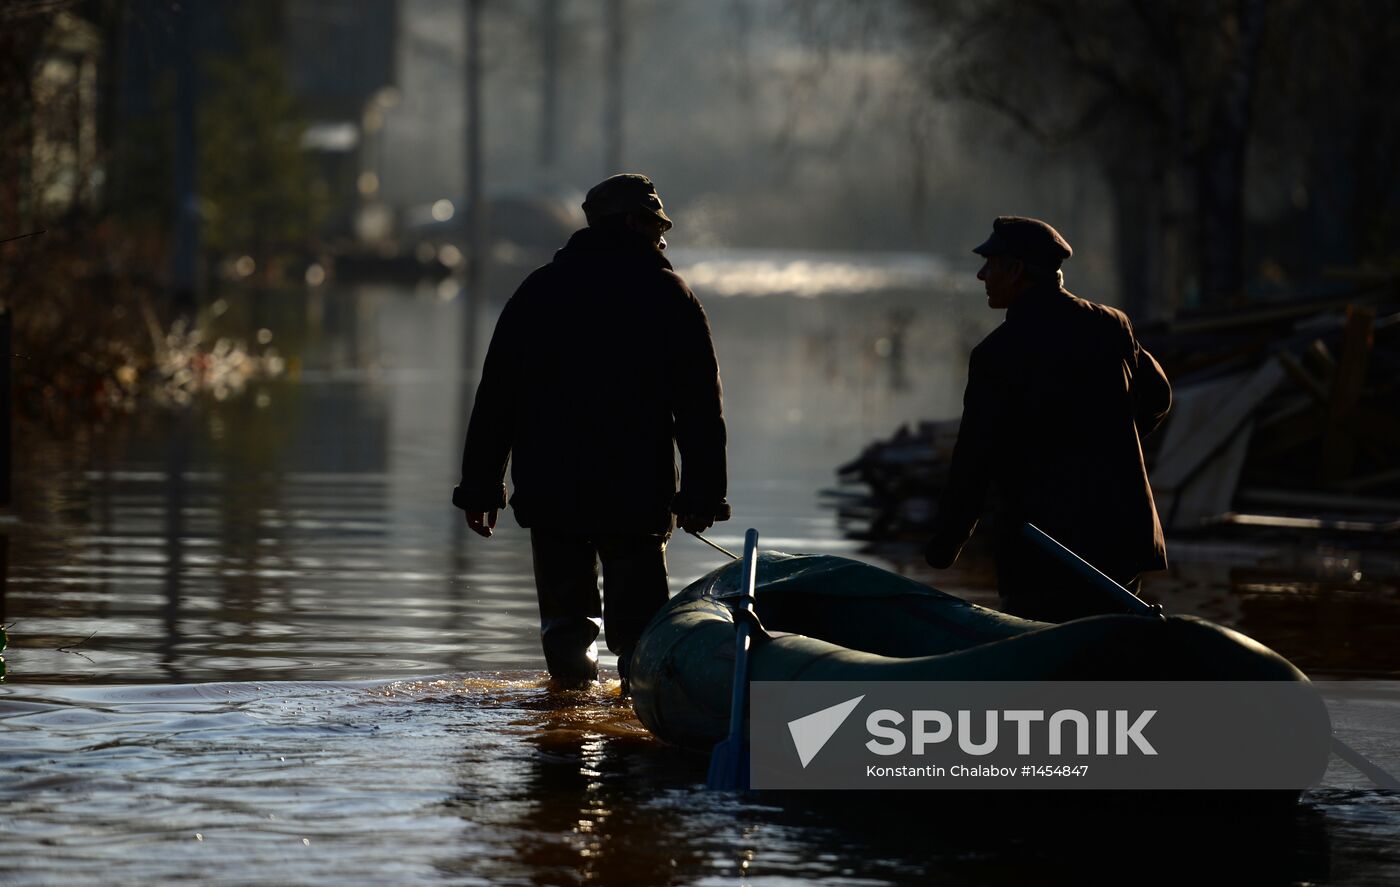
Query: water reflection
[
  {"x": 302, "y": 529},
  {"x": 175, "y": 493},
  {"x": 579, "y": 802},
  {"x": 303, "y": 532},
  {"x": 477, "y": 777}
]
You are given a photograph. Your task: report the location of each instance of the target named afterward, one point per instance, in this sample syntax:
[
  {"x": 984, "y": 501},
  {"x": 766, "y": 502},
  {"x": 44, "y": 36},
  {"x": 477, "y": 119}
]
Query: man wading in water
[
  {"x": 600, "y": 367},
  {"x": 1058, "y": 399}
]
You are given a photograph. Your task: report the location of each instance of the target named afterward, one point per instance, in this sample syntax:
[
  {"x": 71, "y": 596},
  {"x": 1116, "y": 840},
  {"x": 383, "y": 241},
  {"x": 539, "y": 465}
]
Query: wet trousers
[{"x": 571, "y": 611}]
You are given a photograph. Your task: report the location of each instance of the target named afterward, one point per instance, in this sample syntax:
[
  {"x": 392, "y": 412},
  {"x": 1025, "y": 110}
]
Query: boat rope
[
  {"x": 22, "y": 236},
  {"x": 720, "y": 548}
]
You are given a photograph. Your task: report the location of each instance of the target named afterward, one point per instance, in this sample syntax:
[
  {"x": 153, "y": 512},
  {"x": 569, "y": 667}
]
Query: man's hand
[
  {"x": 482, "y": 523},
  {"x": 695, "y": 523}
]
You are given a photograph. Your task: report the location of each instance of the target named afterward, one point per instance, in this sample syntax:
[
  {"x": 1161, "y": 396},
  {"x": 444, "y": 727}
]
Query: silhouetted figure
[
  {"x": 601, "y": 365},
  {"x": 1058, "y": 399}
]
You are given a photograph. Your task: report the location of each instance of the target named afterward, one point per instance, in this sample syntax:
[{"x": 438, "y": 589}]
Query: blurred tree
[
  {"x": 259, "y": 193},
  {"x": 1158, "y": 95},
  {"x": 1189, "y": 110},
  {"x": 1328, "y": 120},
  {"x": 89, "y": 161},
  {"x": 77, "y": 292}
]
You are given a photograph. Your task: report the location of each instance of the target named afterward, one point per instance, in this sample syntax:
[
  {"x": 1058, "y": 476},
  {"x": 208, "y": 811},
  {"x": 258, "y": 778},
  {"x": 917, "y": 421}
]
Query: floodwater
[{"x": 252, "y": 643}]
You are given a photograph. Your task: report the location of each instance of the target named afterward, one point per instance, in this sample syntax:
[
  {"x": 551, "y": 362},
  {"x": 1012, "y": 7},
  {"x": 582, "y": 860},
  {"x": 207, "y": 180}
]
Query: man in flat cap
[
  {"x": 600, "y": 367},
  {"x": 1058, "y": 399}
]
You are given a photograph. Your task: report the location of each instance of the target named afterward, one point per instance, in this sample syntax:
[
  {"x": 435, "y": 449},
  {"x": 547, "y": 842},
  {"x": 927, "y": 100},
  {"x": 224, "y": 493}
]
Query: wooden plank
[
  {"x": 1290, "y": 409},
  {"x": 1287, "y": 433},
  {"x": 1303, "y": 378},
  {"x": 1371, "y": 480},
  {"x": 1235, "y": 319},
  {"x": 1321, "y": 359},
  {"x": 1275, "y": 521},
  {"x": 1339, "y": 443},
  {"x": 1211, "y": 491},
  {"x": 1316, "y": 501},
  {"x": 1176, "y": 466},
  {"x": 1193, "y": 408}
]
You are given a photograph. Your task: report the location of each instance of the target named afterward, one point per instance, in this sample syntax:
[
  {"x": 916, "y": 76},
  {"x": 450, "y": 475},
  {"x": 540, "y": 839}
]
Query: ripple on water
[
  {"x": 412, "y": 777},
  {"x": 489, "y": 777}
]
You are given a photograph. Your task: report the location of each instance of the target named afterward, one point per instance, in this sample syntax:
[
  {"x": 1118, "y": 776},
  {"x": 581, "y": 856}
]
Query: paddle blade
[{"x": 729, "y": 766}]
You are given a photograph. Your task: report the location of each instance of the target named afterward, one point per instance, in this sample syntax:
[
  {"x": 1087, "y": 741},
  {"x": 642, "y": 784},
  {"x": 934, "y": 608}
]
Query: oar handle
[
  {"x": 745, "y": 603},
  {"x": 1088, "y": 572},
  {"x": 1138, "y": 606}
]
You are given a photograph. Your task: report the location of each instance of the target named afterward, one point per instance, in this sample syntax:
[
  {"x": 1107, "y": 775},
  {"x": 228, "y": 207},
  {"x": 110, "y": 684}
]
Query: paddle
[
  {"x": 1139, "y": 607},
  {"x": 1089, "y": 573},
  {"x": 729, "y": 765}
]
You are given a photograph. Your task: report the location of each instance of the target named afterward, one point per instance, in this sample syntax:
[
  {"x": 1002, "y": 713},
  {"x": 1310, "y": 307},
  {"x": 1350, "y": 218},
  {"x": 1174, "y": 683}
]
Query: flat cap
[
  {"x": 1030, "y": 240},
  {"x": 624, "y": 193}
]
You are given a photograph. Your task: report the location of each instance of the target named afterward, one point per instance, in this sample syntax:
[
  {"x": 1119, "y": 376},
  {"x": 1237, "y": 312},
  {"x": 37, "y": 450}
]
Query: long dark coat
[
  {"x": 600, "y": 366},
  {"x": 1058, "y": 399}
]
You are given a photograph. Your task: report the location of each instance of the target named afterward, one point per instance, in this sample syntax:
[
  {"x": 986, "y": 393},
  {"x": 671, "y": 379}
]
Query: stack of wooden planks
[{"x": 1284, "y": 417}]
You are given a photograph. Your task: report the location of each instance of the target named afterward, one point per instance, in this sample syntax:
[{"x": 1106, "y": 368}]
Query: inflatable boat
[{"x": 827, "y": 618}]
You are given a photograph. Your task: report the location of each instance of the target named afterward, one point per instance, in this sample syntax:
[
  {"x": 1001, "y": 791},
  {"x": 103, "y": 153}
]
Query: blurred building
[
  {"x": 341, "y": 60},
  {"x": 767, "y": 124}
]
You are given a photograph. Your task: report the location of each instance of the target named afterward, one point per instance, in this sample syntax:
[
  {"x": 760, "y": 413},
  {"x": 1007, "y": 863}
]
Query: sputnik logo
[{"x": 811, "y": 732}]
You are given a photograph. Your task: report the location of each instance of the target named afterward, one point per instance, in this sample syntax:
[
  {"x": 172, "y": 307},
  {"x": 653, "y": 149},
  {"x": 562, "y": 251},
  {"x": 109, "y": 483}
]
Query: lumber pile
[{"x": 1284, "y": 418}]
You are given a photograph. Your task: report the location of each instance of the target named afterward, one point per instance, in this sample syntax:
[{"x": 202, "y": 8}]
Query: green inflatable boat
[{"x": 832, "y": 619}]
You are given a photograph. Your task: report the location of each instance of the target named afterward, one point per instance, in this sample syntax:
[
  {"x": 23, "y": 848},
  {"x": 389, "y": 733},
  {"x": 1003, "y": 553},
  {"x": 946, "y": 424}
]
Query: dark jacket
[
  {"x": 600, "y": 366},
  {"x": 1058, "y": 399}
]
